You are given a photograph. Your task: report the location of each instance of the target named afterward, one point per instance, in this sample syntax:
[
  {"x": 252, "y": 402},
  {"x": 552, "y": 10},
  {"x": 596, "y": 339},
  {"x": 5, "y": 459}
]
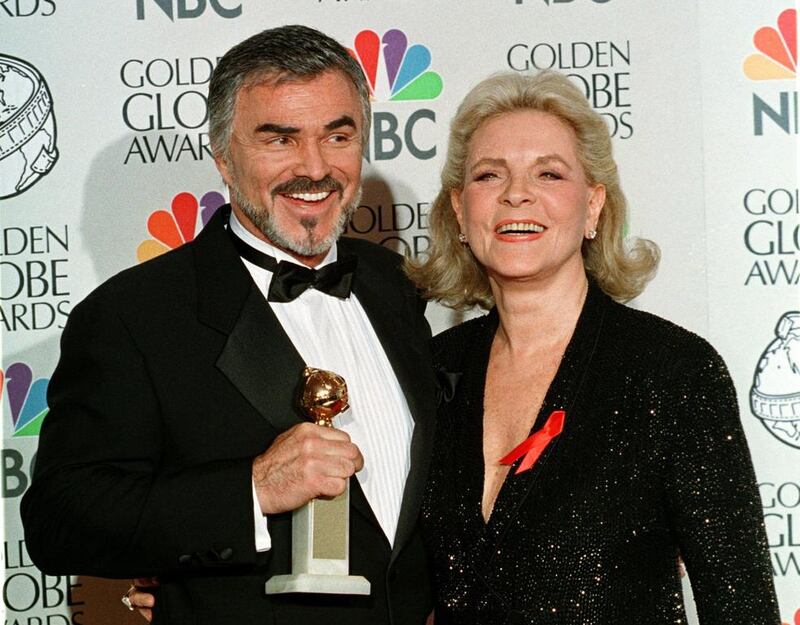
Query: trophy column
[{"x": 321, "y": 528}]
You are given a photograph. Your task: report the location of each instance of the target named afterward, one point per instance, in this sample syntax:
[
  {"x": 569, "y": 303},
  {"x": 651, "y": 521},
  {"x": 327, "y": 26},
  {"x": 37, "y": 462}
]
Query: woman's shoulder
[
  {"x": 642, "y": 333},
  {"x": 449, "y": 346}
]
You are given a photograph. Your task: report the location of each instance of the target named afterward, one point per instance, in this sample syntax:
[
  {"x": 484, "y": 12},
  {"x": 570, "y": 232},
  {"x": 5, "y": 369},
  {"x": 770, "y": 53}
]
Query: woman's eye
[
  {"x": 486, "y": 175},
  {"x": 551, "y": 175}
]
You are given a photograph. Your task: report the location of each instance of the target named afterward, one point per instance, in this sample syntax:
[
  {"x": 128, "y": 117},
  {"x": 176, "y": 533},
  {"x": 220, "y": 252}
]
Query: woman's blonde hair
[{"x": 451, "y": 274}]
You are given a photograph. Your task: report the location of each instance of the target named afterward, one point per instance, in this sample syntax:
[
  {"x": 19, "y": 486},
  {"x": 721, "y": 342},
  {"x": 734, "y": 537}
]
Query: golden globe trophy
[{"x": 320, "y": 528}]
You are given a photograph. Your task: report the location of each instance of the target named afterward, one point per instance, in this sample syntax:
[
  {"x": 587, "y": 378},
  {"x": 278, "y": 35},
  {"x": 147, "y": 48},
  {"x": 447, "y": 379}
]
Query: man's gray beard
[{"x": 310, "y": 246}]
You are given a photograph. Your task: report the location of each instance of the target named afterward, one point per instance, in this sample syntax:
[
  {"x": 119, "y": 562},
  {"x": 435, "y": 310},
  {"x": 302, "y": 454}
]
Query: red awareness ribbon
[{"x": 533, "y": 446}]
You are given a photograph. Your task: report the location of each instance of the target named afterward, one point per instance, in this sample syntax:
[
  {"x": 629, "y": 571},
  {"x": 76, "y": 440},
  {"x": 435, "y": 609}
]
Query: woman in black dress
[{"x": 635, "y": 454}]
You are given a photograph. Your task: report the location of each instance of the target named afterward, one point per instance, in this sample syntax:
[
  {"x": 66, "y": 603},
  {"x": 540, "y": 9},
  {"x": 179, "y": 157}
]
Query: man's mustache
[{"x": 302, "y": 184}]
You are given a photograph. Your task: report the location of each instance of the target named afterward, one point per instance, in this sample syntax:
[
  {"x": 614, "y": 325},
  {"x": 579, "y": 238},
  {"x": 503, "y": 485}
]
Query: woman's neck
[{"x": 535, "y": 314}]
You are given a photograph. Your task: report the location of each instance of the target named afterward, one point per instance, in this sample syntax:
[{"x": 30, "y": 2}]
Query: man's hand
[{"x": 305, "y": 462}]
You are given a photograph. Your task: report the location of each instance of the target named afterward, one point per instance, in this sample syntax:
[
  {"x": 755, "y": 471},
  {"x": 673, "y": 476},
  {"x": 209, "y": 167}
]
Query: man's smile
[{"x": 309, "y": 197}]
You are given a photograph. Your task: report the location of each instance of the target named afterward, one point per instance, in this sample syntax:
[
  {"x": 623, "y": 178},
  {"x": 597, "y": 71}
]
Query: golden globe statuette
[{"x": 320, "y": 528}]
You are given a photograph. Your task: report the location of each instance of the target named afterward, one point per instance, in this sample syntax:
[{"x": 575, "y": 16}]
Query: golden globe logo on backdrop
[
  {"x": 775, "y": 393},
  {"x": 601, "y": 69},
  {"x": 775, "y": 402},
  {"x": 166, "y": 108},
  {"x": 400, "y": 226},
  {"x": 34, "y": 292},
  {"x": 27, "y": 127},
  {"x": 34, "y": 278},
  {"x": 781, "y": 507},
  {"x": 772, "y": 236}
]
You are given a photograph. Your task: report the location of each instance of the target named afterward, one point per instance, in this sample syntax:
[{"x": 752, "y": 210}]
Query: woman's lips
[{"x": 519, "y": 230}]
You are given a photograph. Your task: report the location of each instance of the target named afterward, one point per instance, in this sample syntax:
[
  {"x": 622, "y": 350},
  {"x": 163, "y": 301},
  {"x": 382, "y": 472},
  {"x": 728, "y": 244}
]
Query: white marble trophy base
[
  {"x": 320, "y": 551},
  {"x": 326, "y": 584}
]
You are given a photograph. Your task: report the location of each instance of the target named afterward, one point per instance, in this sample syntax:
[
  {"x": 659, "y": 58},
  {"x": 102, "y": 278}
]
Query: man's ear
[{"x": 223, "y": 169}]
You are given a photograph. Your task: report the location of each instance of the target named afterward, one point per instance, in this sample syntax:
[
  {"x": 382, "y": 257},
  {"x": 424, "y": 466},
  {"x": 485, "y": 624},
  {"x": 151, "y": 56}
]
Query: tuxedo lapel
[
  {"x": 258, "y": 358},
  {"x": 261, "y": 361}
]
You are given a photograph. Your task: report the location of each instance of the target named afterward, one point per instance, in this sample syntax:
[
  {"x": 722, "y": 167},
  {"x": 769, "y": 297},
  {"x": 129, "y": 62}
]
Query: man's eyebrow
[
  {"x": 344, "y": 120},
  {"x": 278, "y": 129}
]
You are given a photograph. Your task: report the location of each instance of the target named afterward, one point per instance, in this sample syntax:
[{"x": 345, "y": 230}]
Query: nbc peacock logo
[
  {"x": 403, "y": 74},
  {"x": 27, "y": 398},
  {"x": 171, "y": 229},
  {"x": 796, "y": 620},
  {"x": 776, "y": 58}
]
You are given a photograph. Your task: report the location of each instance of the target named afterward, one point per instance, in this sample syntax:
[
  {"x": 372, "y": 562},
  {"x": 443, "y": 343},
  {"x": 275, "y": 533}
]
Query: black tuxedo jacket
[{"x": 173, "y": 376}]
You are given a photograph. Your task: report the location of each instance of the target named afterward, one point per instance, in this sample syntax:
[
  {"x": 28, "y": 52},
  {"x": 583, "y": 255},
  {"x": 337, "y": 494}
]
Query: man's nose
[{"x": 312, "y": 162}]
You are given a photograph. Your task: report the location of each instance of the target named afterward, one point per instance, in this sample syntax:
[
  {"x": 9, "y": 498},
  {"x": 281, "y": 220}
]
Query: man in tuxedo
[{"x": 174, "y": 447}]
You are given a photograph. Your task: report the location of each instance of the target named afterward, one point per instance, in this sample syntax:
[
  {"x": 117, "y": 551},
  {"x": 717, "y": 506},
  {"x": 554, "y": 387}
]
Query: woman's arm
[{"x": 713, "y": 499}]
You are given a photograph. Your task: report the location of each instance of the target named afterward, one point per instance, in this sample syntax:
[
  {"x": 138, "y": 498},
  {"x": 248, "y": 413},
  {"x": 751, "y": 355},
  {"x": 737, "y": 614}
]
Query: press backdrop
[{"x": 104, "y": 162}]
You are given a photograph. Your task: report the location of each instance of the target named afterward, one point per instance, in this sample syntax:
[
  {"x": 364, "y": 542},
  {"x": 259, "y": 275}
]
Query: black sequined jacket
[{"x": 652, "y": 463}]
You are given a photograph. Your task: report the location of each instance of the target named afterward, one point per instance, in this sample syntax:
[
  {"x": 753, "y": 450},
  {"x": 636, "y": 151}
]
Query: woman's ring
[{"x": 126, "y": 598}]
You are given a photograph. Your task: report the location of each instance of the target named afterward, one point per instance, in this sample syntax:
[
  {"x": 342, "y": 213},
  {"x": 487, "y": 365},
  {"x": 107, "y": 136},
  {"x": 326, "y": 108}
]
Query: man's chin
[
  {"x": 314, "y": 238},
  {"x": 314, "y": 241}
]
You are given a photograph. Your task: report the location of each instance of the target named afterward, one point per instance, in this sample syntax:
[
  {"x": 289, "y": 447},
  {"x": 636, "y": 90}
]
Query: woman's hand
[{"x": 140, "y": 596}]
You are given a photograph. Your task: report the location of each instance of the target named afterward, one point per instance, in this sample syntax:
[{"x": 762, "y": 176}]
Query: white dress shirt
[{"x": 335, "y": 334}]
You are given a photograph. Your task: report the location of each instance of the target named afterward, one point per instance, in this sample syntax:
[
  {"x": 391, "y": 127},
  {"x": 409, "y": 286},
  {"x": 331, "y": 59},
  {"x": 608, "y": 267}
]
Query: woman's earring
[
  {"x": 462, "y": 238},
  {"x": 591, "y": 234}
]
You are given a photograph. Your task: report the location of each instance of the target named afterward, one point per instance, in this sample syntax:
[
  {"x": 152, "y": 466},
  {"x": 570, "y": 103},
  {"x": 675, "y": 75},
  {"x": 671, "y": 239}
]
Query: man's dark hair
[{"x": 285, "y": 53}]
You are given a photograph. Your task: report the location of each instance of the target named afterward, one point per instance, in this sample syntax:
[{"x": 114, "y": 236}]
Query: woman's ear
[
  {"x": 458, "y": 205},
  {"x": 597, "y": 199}
]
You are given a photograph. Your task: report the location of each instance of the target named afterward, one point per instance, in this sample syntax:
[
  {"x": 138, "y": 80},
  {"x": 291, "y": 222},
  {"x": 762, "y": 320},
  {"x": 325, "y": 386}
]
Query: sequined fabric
[{"x": 652, "y": 462}]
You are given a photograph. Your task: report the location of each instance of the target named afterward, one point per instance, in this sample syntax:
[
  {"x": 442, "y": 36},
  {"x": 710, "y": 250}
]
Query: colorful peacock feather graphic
[
  {"x": 777, "y": 50},
  {"x": 406, "y": 67},
  {"x": 171, "y": 229},
  {"x": 27, "y": 398},
  {"x": 796, "y": 620}
]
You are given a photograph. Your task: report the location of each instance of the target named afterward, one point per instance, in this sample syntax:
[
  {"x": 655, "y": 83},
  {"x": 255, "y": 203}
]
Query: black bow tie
[{"x": 290, "y": 280}]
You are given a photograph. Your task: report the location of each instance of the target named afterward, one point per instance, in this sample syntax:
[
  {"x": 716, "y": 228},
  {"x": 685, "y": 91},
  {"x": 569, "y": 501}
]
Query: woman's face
[{"x": 526, "y": 204}]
